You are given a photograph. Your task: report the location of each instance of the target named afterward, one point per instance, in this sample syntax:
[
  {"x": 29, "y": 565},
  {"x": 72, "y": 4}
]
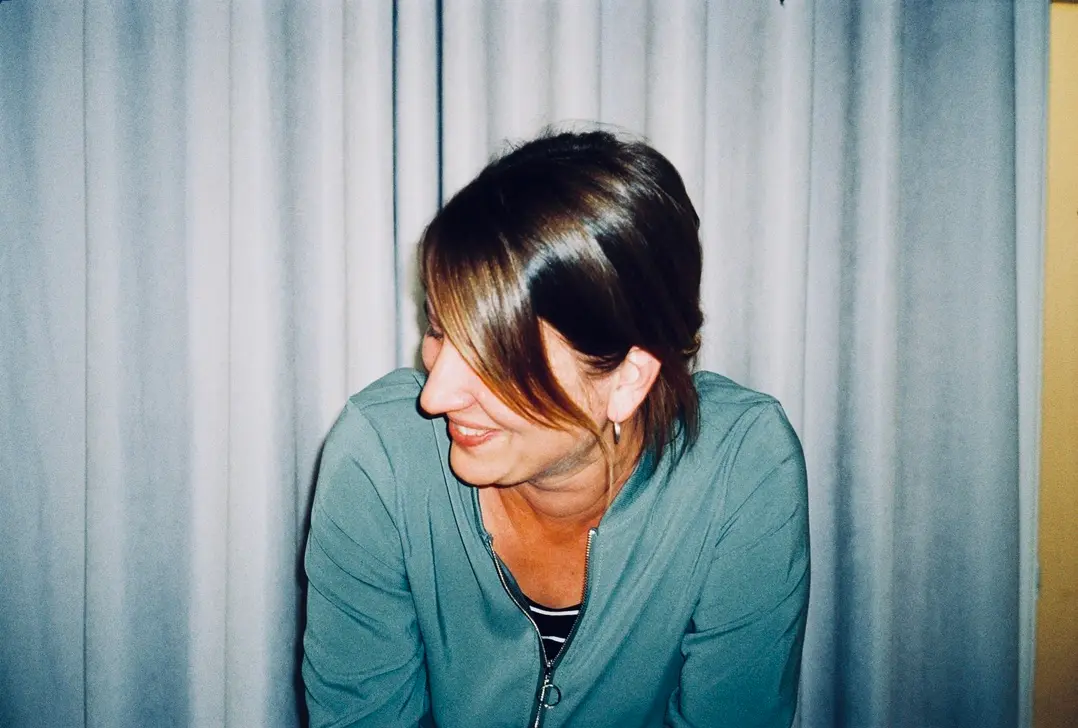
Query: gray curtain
[{"x": 207, "y": 213}]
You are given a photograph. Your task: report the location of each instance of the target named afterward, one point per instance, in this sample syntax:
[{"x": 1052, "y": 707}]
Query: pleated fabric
[{"x": 208, "y": 215}]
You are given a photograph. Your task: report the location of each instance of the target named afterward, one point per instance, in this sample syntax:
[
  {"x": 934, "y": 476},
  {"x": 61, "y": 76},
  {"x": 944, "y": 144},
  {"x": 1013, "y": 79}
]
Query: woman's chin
[{"x": 470, "y": 469}]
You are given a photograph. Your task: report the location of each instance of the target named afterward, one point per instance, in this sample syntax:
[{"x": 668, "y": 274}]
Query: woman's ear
[{"x": 633, "y": 380}]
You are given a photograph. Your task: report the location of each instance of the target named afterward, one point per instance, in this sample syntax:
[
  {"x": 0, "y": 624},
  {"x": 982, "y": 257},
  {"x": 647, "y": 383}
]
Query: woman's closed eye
[{"x": 434, "y": 331}]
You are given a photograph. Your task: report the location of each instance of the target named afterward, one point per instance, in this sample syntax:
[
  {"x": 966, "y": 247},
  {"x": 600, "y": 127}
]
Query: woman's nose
[{"x": 449, "y": 382}]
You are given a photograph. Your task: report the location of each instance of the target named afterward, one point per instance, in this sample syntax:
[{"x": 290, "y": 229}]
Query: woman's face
[{"x": 493, "y": 445}]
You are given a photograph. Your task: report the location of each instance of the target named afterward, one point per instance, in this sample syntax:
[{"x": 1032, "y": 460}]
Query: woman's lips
[{"x": 467, "y": 436}]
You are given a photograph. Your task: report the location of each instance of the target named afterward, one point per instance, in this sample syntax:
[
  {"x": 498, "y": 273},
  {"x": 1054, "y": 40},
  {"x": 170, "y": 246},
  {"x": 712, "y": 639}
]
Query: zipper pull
[{"x": 549, "y": 694}]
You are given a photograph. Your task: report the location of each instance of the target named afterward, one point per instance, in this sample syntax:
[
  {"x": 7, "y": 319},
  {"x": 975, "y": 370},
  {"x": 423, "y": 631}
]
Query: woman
[{"x": 559, "y": 524}]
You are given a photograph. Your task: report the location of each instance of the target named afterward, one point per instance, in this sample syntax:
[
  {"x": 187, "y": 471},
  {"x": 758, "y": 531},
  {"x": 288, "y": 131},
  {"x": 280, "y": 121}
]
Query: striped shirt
[{"x": 554, "y": 625}]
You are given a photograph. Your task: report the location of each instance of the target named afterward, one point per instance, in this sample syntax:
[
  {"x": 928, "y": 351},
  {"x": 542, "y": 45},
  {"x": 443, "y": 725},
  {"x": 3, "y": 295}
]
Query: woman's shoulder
[
  {"x": 384, "y": 417},
  {"x": 742, "y": 422},
  {"x": 717, "y": 390},
  {"x": 390, "y": 404},
  {"x": 724, "y": 403},
  {"x": 380, "y": 446},
  {"x": 397, "y": 390}
]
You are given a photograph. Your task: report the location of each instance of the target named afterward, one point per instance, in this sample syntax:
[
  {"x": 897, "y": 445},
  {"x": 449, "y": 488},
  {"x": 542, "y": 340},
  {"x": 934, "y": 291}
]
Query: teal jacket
[{"x": 697, "y": 583}]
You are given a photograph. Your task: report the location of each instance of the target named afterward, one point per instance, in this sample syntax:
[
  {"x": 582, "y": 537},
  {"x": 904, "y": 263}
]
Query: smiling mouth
[{"x": 469, "y": 436}]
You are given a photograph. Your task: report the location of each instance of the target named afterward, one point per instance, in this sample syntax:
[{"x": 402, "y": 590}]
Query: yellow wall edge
[{"x": 1055, "y": 692}]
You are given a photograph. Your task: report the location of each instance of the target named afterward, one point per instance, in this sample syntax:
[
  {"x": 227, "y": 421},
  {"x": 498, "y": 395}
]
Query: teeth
[{"x": 469, "y": 430}]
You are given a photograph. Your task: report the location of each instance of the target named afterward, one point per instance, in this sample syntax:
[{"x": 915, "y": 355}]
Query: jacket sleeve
[
  {"x": 742, "y": 653},
  {"x": 363, "y": 658}
]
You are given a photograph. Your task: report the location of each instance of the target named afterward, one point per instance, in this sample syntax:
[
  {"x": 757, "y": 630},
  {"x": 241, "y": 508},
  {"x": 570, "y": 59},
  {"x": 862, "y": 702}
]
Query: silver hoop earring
[{"x": 617, "y": 432}]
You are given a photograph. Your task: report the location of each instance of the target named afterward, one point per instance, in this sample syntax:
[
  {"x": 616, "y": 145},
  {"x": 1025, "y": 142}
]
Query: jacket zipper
[
  {"x": 539, "y": 635},
  {"x": 548, "y": 667},
  {"x": 583, "y": 602}
]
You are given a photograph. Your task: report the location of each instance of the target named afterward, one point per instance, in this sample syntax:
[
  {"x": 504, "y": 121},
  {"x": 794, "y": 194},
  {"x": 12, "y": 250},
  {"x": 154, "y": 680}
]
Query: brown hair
[{"x": 594, "y": 235}]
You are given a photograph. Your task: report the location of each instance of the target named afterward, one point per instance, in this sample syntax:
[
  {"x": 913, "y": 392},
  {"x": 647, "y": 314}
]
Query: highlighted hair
[{"x": 597, "y": 237}]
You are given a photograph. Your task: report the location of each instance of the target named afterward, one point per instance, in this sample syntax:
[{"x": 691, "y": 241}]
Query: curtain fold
[
  {"x": 370, "y": 293},
  {"x": 137, "y": 571},
  {"x": 208, "y": 214},
  {"x": 42, "y": 366},
  {"x": 1030, "y": 99},
  {"x": 958, "y": 415},
  {"x": 206, "y": 201},
  {"x": 851, "y": 362}
]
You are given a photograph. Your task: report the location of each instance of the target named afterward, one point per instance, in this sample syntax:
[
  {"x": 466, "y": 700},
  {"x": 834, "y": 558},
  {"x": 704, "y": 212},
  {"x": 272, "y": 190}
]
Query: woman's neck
[{"x": 571, "y": 504}]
